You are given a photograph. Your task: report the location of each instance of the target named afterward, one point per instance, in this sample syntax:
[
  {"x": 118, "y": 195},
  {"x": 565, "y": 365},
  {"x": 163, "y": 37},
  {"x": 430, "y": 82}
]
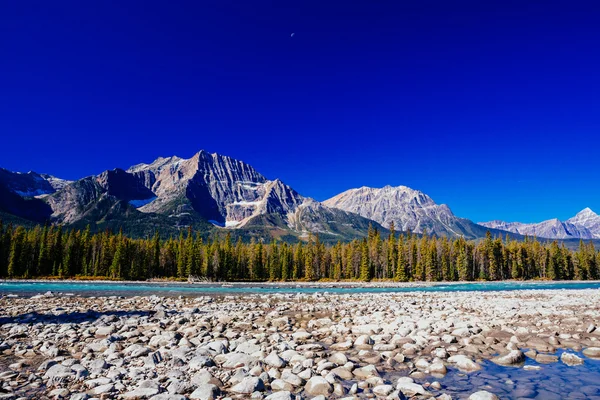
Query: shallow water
[
  {"x": 145, "y": 288},
  {"x": 552, "y": 381}
]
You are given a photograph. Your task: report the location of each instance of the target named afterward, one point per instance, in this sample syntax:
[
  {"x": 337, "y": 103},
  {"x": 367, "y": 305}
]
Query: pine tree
[
  {"x": 285, "y": 263},
  {"x": 298, "y": 262},
  {"x": 190, "y": 259},
  {"x": 309, "y": 273},
  {"x": 392, "y": 253},
  {"x": 154, "y": 266},
  {"x": 16, "y": 250},
  {"x": 401, "y": 266},
  {"x": 365, "y": 268},
  {"x": 116, "y": 267},
  {"x": 181, "y": 257}
]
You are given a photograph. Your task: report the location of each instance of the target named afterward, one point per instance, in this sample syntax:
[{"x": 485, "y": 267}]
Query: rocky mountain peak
[{"x": 407, "y": 208}]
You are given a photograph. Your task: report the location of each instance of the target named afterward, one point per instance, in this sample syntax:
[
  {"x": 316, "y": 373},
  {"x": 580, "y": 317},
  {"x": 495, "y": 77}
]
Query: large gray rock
[
  {"x": 140, "y": 393},
  {"x": 235, "y": 360},
  {"x": 317, "y": 385},
  {"x": 571, "y": 359},
  {"x": 513, "y": 357},
  {"x": 280, "y": 396},
  {"x": 464, "y": 363},
  {"x": 59, "y": 371},
  {"x": 206, "y": 391},
  {"x": 249, "y": 385},
  {"x": 592, "y": 352},
  {"x": 408, "y": 387},
  {"x": 483, "y": 395},
  {"x": 383, "y": 390},
  {"x": 274, "y": 360}
]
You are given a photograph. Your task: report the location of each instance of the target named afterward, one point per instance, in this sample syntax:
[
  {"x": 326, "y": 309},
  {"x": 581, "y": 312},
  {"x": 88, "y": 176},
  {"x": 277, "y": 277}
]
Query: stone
[
  {"x": 438, "y": 368},
  {"x": 280, "y": 396},
  {"x": 366, "y": 372},
  {"x": 464, "y": 363},
  {"x": 279, "y": 385},
  {"x": 592, "y": 352},
  {"x": 249, "y": 385},
  {"x": 140, "y": 393},
  {"x": 409, "y": 388},
  {"x": 513, "y": 357},
  {"x": 274, "y": 360},
  {"x": 59, "y": 371},
  {"x": 235, "y": 360},
  {"x": 338, "y": 358},
  {"x": 483, "y": 395},
  {"x": 200, "y": 362},
  {"x": 546, "y": 358},
  {"x": 205, "y": 391},
  {"x": 571, "y": 359},
  {"x": 317, "y": 385},
  {"x": 102, "y": 389},
  {"x": 383, "y": 390}
]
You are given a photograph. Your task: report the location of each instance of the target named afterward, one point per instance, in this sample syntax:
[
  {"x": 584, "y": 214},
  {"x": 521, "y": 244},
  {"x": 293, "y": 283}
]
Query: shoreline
[
  {"x": 325, "y": 284},
  {"x": 272, "y": 346}
]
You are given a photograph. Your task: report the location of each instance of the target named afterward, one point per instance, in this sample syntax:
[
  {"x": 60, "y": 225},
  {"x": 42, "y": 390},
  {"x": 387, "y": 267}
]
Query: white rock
[
  {"x": 483, "y": 395},
  {"x": 317, "y": 385}
]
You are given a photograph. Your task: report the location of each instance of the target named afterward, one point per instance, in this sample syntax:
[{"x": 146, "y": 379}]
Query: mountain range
[
  {"x": 216, "y": 193},
  {"x": 207, "y": 192},
  {"x": 584, "y": 225}
]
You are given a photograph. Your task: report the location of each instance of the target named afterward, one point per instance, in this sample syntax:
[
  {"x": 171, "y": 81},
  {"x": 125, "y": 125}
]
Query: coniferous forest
[{"x": 52, "y": 251}]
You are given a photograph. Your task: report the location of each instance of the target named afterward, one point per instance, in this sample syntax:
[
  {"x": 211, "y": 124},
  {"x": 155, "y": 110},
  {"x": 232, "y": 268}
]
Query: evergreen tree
[{"x": 365, "y": 267}]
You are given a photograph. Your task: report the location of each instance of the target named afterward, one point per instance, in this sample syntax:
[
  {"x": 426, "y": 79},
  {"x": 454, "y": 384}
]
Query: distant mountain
[
  {"x": 21, "y": 193},
  {"x": 584, "y": 225},
  {"x": 209, "y": 192},
  {"x": 30, "y": 184},
  {"x": 215, "y": 193},
  {"x": 407, "y": 208}
]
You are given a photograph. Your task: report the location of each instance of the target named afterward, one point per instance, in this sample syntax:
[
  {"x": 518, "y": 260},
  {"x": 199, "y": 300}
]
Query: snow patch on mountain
[{"x": 141, "y": 203}]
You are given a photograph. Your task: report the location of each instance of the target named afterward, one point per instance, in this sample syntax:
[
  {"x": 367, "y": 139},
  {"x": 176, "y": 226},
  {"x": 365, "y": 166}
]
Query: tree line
[{"x": 55, "y": 251}]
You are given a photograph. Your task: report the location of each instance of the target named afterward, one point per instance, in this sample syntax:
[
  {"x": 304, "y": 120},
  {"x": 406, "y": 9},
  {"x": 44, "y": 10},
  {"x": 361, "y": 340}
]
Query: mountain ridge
[
  {"x": 216, "y": 193},
  {"x": 207, "y": 191},
  {"x": 407, "y": 208},
  {"x": 584, "y": 225}
]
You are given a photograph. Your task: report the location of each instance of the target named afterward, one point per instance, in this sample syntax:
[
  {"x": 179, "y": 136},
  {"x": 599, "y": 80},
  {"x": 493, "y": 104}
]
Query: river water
[{"x": 91, "y": 288}]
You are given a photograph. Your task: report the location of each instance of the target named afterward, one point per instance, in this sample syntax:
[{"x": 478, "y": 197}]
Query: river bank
[{"x": 512, "y": 344}]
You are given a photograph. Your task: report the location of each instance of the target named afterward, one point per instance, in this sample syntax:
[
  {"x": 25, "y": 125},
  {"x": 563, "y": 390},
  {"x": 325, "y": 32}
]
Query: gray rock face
[{"x": 407, "y": 208}]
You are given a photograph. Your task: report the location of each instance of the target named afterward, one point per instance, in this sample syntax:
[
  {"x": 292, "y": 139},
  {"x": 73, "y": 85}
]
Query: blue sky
[{"x": 490, "y": 107}]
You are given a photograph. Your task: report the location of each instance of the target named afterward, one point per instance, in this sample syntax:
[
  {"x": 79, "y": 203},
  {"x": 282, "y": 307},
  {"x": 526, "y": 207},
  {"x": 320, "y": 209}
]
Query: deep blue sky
[{"x": 492, "y": 107}]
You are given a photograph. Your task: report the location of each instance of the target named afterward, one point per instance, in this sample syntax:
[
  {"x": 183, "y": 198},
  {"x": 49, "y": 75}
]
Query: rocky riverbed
[{"x": 298, "y": 346}]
